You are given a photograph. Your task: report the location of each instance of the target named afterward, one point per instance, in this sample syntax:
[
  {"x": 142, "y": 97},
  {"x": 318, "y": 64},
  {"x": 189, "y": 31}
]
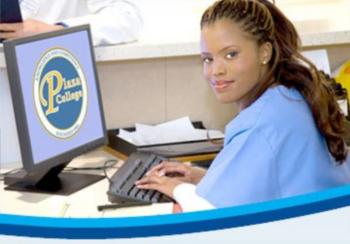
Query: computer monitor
[{"x": 58, "y": 107}]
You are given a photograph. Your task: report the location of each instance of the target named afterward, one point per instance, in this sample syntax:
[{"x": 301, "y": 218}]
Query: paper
[{"x": 178, "y": 130}]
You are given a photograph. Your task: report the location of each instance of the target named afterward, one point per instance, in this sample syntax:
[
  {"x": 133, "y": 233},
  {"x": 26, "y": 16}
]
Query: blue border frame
[{"x": 171, "y": 224}]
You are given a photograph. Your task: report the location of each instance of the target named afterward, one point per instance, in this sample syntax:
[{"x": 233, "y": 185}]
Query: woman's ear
[{"x": 265, "y": 52}]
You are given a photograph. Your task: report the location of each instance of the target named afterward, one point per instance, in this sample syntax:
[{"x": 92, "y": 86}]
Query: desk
[{"x": 80, "y": 204}]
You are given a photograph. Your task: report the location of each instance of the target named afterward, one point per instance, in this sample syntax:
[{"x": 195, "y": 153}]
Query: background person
[{"x": 112, "y": 21}]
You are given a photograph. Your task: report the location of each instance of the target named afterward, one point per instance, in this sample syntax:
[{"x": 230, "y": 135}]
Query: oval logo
[{"x": 60, "y": 93}]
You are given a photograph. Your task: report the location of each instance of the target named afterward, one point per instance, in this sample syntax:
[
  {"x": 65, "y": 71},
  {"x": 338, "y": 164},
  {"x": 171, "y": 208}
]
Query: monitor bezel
[{"x": 19, "y": 106}]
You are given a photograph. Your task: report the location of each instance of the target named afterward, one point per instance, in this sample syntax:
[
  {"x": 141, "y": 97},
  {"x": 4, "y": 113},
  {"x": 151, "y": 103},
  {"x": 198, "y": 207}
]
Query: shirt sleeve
[
  {"x": 185, "y": 194},
  {"x": 111, "y": 21},
  {"x": 29, "y": 8}
]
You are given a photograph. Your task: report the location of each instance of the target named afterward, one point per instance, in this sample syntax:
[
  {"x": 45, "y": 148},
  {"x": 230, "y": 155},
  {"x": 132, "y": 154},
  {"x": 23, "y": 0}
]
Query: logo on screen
[{"x": 60, "y": 93}]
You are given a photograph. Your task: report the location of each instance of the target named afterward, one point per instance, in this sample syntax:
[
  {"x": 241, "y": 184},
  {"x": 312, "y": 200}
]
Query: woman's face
[{"x": 233, "y": 62}]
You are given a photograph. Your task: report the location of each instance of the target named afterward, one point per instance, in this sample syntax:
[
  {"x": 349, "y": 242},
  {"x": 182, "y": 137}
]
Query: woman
[{"x": 287, "y": 138}]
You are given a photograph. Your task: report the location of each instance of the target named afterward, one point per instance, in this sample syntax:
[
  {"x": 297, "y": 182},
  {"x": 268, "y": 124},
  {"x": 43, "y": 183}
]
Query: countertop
[{"x": 171, "y": 28}]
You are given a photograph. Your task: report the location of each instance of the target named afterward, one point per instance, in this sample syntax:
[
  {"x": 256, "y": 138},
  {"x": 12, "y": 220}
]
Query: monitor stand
[{"x": 52, "y": 182}]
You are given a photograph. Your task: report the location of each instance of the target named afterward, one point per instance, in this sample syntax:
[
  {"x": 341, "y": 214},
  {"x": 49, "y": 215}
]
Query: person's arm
[
  {"x": 25, "y": 28},
  {"x": 185, "y": 195},
  {"x": 116, "y": 21}
]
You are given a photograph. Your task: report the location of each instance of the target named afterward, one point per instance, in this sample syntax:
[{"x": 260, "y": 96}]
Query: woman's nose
[{"x": 218, "y": 68}]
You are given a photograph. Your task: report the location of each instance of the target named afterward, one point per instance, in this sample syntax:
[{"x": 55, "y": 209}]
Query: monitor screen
[{"x": 56, "y": 97}]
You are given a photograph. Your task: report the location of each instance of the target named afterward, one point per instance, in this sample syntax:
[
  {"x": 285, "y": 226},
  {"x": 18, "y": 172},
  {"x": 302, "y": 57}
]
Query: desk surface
[{"x": 80, "y": 204}]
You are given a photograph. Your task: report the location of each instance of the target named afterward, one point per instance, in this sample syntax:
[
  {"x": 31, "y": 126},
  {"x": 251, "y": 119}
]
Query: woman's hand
[
  {"x": 163, "y": 184},
  {"x": 166, "y": 176},
  {"x": 181, "y": 171}
]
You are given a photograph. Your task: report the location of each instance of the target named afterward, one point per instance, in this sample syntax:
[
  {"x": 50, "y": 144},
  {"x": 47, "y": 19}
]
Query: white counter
[
  {"x": 174, "y": 31},
  {"x": 172, "y": 28}
]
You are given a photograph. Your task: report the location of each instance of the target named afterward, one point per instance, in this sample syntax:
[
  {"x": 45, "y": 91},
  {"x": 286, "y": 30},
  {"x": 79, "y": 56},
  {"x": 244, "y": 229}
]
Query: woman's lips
[{"x": 221, "y": 85}]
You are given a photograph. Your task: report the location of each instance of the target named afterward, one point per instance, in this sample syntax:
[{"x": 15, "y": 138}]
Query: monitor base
[{"x": 66, "y": 184}]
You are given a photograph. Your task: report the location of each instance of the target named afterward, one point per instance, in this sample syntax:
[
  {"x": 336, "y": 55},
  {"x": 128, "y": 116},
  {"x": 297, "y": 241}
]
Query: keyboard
[{"x": 122, "y": 188}]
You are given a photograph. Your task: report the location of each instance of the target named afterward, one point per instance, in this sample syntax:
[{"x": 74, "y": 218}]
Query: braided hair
[{"x": 266, "y": 23}]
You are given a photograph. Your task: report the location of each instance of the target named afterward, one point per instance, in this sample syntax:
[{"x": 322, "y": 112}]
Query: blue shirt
[{"x": 272, "y": 149}]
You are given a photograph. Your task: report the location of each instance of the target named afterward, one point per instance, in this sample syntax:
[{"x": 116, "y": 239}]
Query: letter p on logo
[{"x": 52, "y": 91}]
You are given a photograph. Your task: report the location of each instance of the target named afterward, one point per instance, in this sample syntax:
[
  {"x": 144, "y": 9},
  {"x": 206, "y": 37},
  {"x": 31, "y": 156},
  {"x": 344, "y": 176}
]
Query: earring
[{"x": 264, "y": 62}]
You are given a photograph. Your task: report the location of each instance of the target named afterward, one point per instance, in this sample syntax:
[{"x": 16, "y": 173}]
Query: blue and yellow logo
[{"x": 60, "y": 93}]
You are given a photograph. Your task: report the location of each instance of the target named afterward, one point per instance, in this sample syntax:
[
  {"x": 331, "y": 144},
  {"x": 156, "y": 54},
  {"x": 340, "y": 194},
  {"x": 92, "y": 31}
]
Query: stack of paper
[{"x": 178, "y": 130}]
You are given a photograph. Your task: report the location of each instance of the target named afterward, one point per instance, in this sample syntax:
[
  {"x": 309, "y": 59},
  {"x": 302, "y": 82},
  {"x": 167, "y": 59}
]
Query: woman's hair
[{"x": 266, "y": 23}]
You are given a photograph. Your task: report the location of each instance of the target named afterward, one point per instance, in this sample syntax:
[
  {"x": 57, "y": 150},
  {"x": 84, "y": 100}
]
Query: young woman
[{"x": 287, "y": 138}]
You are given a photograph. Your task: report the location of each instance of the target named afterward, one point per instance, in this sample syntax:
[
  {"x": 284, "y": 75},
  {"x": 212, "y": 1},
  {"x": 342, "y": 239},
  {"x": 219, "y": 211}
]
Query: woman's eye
[
  {"x": 231, "y": 55},
  {"x": 207, "y": 60}
]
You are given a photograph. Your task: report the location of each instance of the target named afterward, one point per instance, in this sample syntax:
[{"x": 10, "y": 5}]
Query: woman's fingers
[
  {"x": 168, "y": 167},
  {"x": 153, "y": 178},
  {"x": 10, "y": 26},
  {"x": 153, "y": 182},
  {"x": 149, "y": 186},
  {"x": 8, "y": 35},
  {"x": 177, "y": 170},
  {"x": 162, "y": 184},
  {"x": 155, "y": 169}
]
